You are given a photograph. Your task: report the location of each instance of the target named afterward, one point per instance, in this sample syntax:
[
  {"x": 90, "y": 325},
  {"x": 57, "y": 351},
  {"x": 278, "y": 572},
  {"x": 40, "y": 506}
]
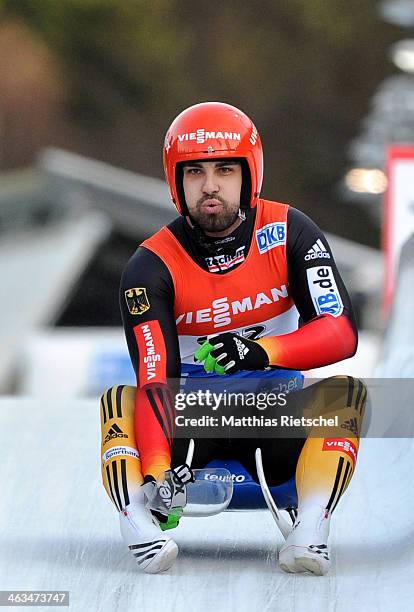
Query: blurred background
[{"x": 87, "y": 91}]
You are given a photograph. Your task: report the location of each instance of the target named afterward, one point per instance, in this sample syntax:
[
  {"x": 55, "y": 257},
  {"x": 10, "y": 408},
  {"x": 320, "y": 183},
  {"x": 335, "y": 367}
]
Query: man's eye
[
  {"x": 226, "y": 169},
  {"x": 193, "y": 170}
]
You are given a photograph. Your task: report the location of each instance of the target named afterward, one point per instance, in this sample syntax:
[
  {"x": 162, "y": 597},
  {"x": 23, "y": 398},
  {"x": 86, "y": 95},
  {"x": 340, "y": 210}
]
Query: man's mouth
[{"x": 211, "y": 205}]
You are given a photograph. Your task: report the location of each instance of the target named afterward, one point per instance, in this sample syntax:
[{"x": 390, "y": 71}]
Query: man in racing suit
[{"x": 236, "y": 284}]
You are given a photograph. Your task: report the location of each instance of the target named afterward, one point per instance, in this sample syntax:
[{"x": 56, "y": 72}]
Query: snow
[{"x": 59, "y": 531}]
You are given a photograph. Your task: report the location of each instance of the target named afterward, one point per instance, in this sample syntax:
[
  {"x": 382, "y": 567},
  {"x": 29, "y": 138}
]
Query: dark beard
[{"x": 214, "y": 223}]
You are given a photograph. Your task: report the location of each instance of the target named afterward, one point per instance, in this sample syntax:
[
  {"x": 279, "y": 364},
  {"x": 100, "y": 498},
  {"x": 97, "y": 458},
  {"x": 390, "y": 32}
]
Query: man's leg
[
  {"x": 324, "y": 470},
  {"x": 121, "y": 466},
  {"x": 122, "y": 479}
]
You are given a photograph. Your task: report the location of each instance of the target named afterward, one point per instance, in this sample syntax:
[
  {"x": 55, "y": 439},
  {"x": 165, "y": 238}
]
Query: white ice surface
[{"x": 59, "y": 531}]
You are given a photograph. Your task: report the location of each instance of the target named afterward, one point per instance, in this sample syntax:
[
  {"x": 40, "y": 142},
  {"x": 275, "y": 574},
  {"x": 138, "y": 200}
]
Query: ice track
[{"x": 59, "y": 531}]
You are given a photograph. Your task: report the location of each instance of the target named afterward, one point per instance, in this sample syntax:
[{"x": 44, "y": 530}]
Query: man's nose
[{"x": 210, "y": 184}]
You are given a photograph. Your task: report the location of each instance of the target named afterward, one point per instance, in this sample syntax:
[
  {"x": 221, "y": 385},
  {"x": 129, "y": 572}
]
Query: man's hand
[
  {"x": 168, "y": 493},
  {"x": 228, "y": 353}
]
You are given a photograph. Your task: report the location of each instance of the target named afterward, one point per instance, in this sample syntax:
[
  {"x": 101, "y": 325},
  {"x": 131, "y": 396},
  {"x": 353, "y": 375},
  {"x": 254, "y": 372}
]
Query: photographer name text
[{"x": 254, "y": 421}]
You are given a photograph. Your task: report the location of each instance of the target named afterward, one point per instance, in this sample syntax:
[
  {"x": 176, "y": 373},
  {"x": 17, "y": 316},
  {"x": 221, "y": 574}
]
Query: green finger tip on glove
[
  {"x": 204, "y": 350},
  {"x": 210, "y": 364},
  {"x": 219, "y": 369},
  {"x": 172, "y": 520}
]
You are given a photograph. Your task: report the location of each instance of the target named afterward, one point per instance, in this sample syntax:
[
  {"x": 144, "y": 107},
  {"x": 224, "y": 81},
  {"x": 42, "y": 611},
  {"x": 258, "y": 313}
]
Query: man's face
[{"x": 212, "y": 192}]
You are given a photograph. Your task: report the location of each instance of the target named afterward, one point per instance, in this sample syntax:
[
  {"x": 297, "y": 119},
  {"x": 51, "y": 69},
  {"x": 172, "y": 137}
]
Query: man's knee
[
  {"x": 342, "y": 398},
  {"x": 354, "y": 390},
  {"x": 117, "y": 402},
  {"x": 345, "y": 392}
]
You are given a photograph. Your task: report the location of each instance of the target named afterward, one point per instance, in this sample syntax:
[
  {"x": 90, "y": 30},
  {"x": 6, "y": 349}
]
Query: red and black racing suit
[{"x": 273, "y": 280}]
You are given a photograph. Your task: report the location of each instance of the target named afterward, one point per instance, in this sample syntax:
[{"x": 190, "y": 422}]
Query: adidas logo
[
  {"x": 352, "y": 425},
  {"x": 241, "y": 348},
  {"x": 114, "y": 432},
  {"x": 317, "y": 251}
]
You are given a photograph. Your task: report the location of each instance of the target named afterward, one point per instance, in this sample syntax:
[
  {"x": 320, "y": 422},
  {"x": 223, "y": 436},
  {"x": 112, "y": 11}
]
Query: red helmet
[{"x": 208, "y": 131}]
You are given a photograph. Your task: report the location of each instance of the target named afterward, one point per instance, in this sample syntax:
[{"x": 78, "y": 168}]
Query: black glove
[{"x": 228, "y": 352}]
